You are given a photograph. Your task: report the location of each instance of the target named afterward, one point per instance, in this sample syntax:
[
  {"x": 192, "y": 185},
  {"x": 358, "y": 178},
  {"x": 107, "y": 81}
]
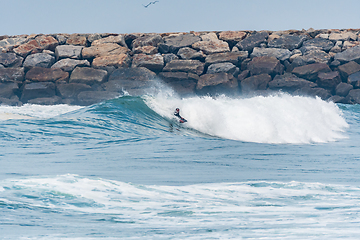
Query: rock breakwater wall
[{"x": 84, "y": 69}]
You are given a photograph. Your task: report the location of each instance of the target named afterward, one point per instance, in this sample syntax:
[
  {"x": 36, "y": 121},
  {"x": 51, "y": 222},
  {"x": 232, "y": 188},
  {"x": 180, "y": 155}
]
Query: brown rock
[
  {"x": 328, "y": 80},
  {"x": 253, "y": 83},
  {"x": 311, "y": 71},
  {"x": 347, "y": 69},
  {"x": 118, "y": 39},
  {"x": 71, "y": 90},
  {"x": 37, "y": 90},
  {"x": 39, "y": 74},
  {"x": 152, "y": 62},
  {"x": 103, "y": 50},
  {"x": 149, "y": 40},
  {"x": 47, "y": 42},
  {"x": 146, "y": 49},
  {"x": 289, "y": 83},
  {"x": 191, "y": 66},
  {"x": 234, "y": 57},
  {"x": 12, "y": 74},
  {"x": 76, "y": 39},
  {"x": 210, "y": 47},
  {"x": 233, "y": 36},
  {"x": 343, "y": 89},
  {"x": 8, "y": 90},
  {"x": 121, "y": 60},
  {"x": 88, "y": 75},
  {"x": 182, "y": 82},
  {"x": 265, "y": 65},
  {"x": 27, "y": 48},
  {"x": 217, "y": 83}
]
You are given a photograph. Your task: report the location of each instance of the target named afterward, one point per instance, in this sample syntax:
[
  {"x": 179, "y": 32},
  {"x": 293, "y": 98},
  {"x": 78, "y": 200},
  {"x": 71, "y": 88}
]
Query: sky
[{"x": 130, "y": 16}]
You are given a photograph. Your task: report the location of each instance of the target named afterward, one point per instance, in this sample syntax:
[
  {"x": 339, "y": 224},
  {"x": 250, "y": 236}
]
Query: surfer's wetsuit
[{"x": 177, "y": 114}]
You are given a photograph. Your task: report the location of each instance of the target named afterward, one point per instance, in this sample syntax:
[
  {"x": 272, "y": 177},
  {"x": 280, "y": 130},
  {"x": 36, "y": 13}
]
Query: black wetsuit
[{"x": 181, "y": 119}]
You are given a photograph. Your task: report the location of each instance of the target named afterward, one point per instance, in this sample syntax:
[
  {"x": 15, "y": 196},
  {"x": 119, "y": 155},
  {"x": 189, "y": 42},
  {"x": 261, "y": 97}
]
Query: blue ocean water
[{"x": 276, "y": 167}]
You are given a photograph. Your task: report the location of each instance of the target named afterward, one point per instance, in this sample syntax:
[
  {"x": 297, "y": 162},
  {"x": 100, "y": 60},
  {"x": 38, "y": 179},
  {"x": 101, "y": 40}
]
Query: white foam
[
  {"x": 34, "y": 111},
  {"x": 280, "y": 118}
]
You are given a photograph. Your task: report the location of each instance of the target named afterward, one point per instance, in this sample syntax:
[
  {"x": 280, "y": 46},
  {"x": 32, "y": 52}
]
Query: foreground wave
[{"x": 203, "y": 211}]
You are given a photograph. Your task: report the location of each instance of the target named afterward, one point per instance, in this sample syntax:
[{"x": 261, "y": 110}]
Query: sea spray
[{"x": 279, "y": 118}]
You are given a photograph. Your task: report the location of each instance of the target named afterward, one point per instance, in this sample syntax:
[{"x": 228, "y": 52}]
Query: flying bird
[{"x": 150, "y": 4}]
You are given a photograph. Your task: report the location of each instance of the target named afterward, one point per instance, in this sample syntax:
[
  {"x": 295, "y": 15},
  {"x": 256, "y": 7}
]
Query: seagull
[{"x": 150, "y": 4}]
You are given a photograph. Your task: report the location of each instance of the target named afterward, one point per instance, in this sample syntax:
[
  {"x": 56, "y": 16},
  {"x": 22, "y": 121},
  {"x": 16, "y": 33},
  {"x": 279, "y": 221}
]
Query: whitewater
[{"x": 262, "y": 167}]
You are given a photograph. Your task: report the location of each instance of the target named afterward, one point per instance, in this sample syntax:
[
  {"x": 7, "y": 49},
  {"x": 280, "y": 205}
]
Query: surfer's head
[{"x": 177, "y": 110}]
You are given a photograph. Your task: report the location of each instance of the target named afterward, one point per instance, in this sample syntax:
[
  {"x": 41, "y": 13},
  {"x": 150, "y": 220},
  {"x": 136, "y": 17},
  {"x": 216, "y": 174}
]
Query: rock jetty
[{"x": 84, "y": 69}]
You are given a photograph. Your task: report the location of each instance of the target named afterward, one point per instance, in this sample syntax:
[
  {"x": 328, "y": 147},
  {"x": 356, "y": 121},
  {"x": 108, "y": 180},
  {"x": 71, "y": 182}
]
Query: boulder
[
  {"x": 154, "y": 63},
  {"x": 343, "y": 89},
  {"x": 232, "y": 37},
  {"x": 265, "y": 65},
  {"x": 348, "y": 69},
  {"x": 12, "y": 74},
  {"x": 173, "y": 43},
  {"x": 13, "y": 101},
  {"x": 354, "y": 79},
  {"x": 40, "y": 74},
  {"x": 62, "y": 38},
  {"x": 183, "y": 83},
  {"x": 321, "y": 43},
  {"x": 10, "y": 60},
  {"x": 68, "y": 51},
  {"x": 77, "y": 40},
  {"x": 254, "y": 40},
  {"x": 103, "y": 50},
  {"x": 315, "y": 55},
  {"x": 191, "y": 66},
  {"x": 313, "y": 92},
  {"x": 47, "y": 42},
  {"x": 118, "y": 39},
  {"x": 71, "y": 90},
  {"x": 280, "y": 54},
  {"x": 254, "y": 83},
  {"x": 121, "y": 60},
  {"x": 289, "y": 82},
  {"x": 344, "y": 36},
  {"x": 217, "y": 83},
  {"x": 168, "y": 57},
  {"x": 8, "y": 90},
  {"x": 46, "y": 100},
  {"x": 148, "y": 40},
  {"x": 93, "y": 37},
  {"x": 68, "y": 64},
  {"x": 328, "y": 80},
  {"x": 37, "y": 90},
  {"x": 88, "y": 75},
  {"x": 234, "y": 57},
  {"x": 91, "y": 97},
  {"x": 350, "y": 54},
  {"x": 39, "y": 60},
  {"x": 189, "y": 53},
  {"x": 211, "y": 47},
  {"x": 30, "y": 47},
  {"x": 132, "y": 74},
  {"x": 211, "y": 36},
  {"x": 226, "y": 67},
  {"x": 354, "y": 96},
  {"x": 146, "y": 49},
  {"x": 290, "y": 42},
  {"x": 310, "y": 71},
  {"x": 337, "y": 99}
]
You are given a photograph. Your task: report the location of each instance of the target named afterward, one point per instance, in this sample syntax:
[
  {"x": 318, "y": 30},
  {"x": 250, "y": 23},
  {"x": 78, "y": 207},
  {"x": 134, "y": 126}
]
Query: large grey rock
[
  {"x": 39, "y": 74},
  {"x": 354, "y": 79},
  {"x": 39, "y": 60},
  {"x": 217, "y": 83},
  {"x": 174, "y": 43},
  {"x": 118, "y": 39},
  {"x": 88, "y": 75},
  {"x": 354, "y": 96},
  {"x": 343, "y": 89},
  {"x": 192, "y": 66},
  {"x": 68, "y": 51},
  {"x": 8, "y": 90},
  {"x": 254, "y": 40},
  {"x": 189, "y": 53},
  {"x": 71, "y": 90},
  {"x": 320, "y": 43},
  {"x": 168, "y": 57},
  {"x": 10, "y": 60},
  {"x": 328, "y": 80},
  {"x": 313, "y": 92},
  {"x": 289, "y": 82},
  {"x": 290, "y": 42},
  {"x": 254, "y": 83},
  {"x": 310, "y": 72},
  {"x": 265, "y": 65},
  {"x": 92, "y": 97},
  {"x": 46, "y": 100},
  {"x": 350, "y": 54},
  {"x": 183, "y": 83},
  {"x": 132, "y": 74},
  {"x": 347, "y": 69},
  {"x": 223, "y": 67},
  {"x": 12, "y": 74},
  {"x": 148, "y": 40},
  {"x": 280, "y": 54},
  {"x": 37, "y": 90},
  {"x": 154, "y": 63},
  {"x": 233, "y": 57},
  {"x": 343, "y": 36},
  {"x": 315, "y": 55},
  {"x": 69, "y": 64}
]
